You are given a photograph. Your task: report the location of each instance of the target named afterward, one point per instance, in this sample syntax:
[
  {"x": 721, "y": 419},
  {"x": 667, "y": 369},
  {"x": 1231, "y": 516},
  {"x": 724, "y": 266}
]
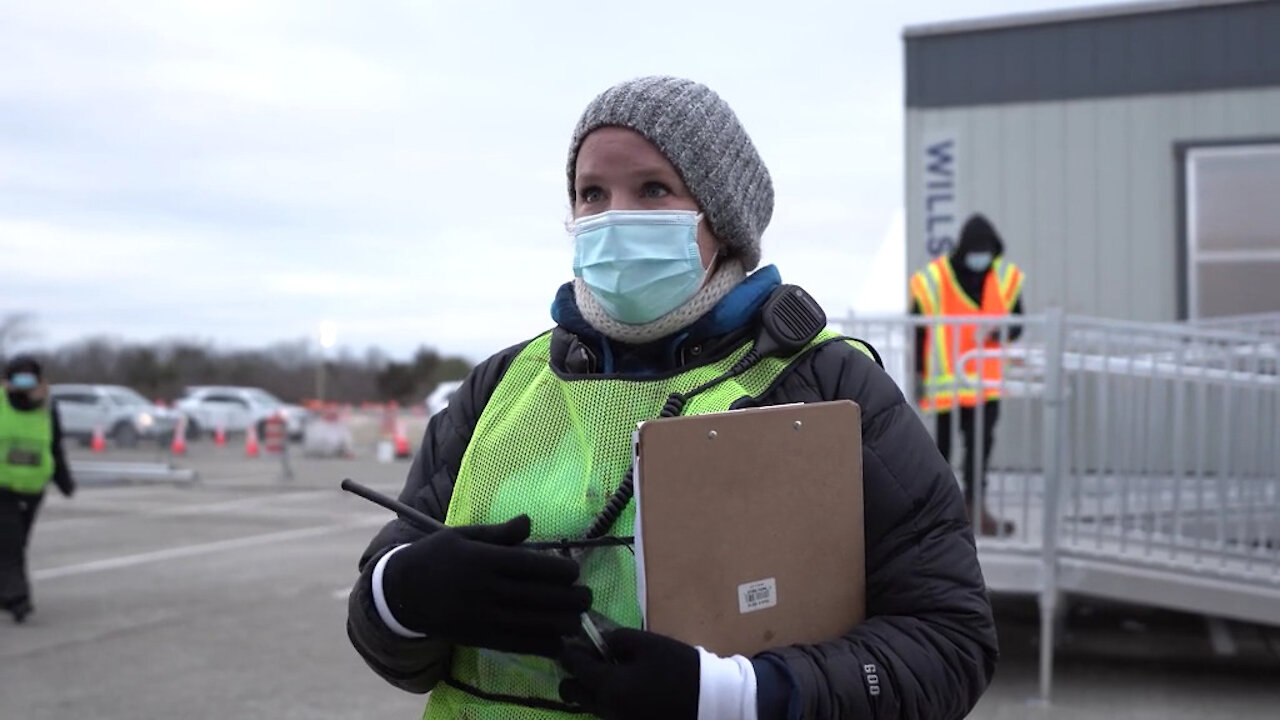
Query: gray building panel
[
  {"x": 1152, "y": 213},
  {"x": 988, "y": 67},
  {"x": 1049, "y": 234},
  {"x": 986, "y": 182},
  {"x": 1049, "y": 57},
  {"x": 1168, "y": 50},
  {"x": 1083, "y": 40},
  {"x": 1107, "y": 68},
  {"x": 1249, "y": 115},
  {"x": 1193, "y": 115},
  {"x": 1017, "y": 59},
  {"x": 1183, "y": 49},
  {"x": 1016, "y": 220},
  {"x": 1111, "y": 239},
  {"x": 1212, "y": 31},
  {"x": 1081, "y": 223},
  {"x": 1244, "y": 48},
  {"x": 1267, "y": 47}
]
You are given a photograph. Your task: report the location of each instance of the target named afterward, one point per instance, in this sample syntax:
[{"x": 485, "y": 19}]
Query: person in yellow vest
[
  {"x": 667, "y": 314},
  {"x": 30, "y": 456},
  {"x": 974, "y": 280}
]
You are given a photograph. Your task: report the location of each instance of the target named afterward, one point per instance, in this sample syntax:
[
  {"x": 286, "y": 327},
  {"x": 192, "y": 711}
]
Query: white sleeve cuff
[
  {"x": 384, "y": 610},
  {"x": 726, "y": 687}
]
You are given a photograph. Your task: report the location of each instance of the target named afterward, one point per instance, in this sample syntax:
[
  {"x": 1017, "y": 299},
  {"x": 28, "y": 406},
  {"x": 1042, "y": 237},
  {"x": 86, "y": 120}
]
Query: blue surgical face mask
[
  {"x": 639, "y": 264},
  {"x": 979, "y": 261},
  {"x": 24, "y": 381}
]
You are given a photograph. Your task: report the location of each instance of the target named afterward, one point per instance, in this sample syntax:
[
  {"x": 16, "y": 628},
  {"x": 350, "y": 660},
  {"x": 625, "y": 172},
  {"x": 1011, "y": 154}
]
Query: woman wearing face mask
[
  {"x": 669, "y": 202},
  {"x": 30, "y": 455}
]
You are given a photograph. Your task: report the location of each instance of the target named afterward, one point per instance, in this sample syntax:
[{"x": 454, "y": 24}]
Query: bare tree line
[{"x": 286, "y": 369}]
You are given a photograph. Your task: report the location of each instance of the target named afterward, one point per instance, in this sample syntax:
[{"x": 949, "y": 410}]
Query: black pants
[
  {"x": 17, "y": 515},
  {"x": 990, "y": 412}
]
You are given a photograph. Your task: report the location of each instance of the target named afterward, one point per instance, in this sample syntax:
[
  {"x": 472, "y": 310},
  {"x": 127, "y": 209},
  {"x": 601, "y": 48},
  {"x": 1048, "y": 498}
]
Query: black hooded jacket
[
  {"x": 977, "y": 235},
  {"x": 927, "y": 649}
]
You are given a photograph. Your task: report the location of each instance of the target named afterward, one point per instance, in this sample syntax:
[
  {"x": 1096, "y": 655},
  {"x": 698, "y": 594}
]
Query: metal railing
[
  {"x": 1136, "y": 461},
  {"x": 1265, "y": 324}
]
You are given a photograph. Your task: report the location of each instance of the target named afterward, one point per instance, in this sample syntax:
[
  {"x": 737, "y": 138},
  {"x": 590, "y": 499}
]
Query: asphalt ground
[{"x": 226, "y": 598}]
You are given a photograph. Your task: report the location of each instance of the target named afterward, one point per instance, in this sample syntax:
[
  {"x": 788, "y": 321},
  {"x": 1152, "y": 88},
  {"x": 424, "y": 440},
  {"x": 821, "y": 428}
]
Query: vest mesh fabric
[{"x": 26, "y": 448}]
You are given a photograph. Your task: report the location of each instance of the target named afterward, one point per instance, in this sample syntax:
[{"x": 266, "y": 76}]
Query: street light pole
[{"x": 328, "y": 337}]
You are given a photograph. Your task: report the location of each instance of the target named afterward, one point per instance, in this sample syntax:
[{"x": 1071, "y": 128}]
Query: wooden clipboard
[{"x": 749, "y": 526}]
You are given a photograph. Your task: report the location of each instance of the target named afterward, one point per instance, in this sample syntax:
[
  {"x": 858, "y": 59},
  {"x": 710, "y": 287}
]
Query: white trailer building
[{"x": 1129, "y": 155}]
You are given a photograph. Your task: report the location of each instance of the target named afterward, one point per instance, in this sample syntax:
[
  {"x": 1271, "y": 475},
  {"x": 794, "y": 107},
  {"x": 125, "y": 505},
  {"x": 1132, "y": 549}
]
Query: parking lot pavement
[
  {"x": 1133, "y": 663},
  {"x": 226, "y": 598}
]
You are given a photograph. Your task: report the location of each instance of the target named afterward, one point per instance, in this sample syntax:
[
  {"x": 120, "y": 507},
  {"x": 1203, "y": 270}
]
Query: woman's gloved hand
[
  {"x": 651, "y": 676},
  {"x": 473, "y": 586}
]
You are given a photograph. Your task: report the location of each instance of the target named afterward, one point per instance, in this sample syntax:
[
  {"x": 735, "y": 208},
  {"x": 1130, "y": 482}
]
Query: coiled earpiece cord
[{"x": 672, "y": 408}]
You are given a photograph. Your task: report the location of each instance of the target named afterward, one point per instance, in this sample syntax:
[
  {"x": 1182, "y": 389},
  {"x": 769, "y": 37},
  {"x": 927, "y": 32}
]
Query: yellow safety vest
[
  {"x": 557, "y": 448},
  {"x": 26, "y": 447},
  {"x": 938, "y": 293}
]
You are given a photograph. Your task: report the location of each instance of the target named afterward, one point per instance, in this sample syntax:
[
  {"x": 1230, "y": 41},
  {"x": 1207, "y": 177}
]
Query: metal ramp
[{"x": 1139, "y": 461}]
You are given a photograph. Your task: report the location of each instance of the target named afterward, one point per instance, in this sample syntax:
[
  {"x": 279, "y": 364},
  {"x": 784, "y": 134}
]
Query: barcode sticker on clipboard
[{"x": 758, "y": 595}]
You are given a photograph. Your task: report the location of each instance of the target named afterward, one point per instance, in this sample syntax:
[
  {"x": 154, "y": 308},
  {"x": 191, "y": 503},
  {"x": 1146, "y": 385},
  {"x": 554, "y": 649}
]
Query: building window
[{"x": 1232, "y": 229}]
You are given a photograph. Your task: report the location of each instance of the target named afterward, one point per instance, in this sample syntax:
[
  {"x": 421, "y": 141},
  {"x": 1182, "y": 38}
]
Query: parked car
[
  {"x": 439, "y": 398},
  {"x": 125, "y": 416},
  {"x": 235, "y": 408}
]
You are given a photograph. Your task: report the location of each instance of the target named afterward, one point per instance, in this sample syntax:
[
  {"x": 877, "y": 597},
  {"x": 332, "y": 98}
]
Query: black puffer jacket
[{"x": 929, "y": 640}]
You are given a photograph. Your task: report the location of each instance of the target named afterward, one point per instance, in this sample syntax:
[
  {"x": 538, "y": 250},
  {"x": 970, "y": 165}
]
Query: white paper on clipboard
[{"x": 641, "y": 594}]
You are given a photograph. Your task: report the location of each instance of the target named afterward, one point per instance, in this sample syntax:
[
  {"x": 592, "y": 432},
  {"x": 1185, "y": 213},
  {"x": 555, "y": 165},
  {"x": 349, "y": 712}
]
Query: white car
[
  {"x": 124, "y": 416},
  {"x": 235, "y": 408},
  {"x": 439, "y": 398}
]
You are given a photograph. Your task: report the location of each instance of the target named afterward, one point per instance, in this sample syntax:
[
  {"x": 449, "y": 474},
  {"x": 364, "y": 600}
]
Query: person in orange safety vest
[{"x": 974, "y": 280}]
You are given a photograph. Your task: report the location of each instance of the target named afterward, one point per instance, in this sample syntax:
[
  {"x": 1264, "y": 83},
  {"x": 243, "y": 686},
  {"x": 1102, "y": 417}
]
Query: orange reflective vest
[{"x": 937, "y": 293}]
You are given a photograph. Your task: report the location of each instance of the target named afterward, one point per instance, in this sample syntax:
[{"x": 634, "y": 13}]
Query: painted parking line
[
  {"x": 118, "y": 511},
  {"x": 185, "y": 551}
]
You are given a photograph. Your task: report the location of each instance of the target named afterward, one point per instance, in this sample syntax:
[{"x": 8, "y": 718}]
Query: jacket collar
[{"x": 733, "y": 313}]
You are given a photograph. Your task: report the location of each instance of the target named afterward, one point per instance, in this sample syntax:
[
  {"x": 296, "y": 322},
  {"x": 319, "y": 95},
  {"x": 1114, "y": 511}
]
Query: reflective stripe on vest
[
  {"x": 938, "y": 293},
  {"x": 1009, "y": 279},
  {"x": 26, "y": 447},
  {"x": 557, "y": 449}
]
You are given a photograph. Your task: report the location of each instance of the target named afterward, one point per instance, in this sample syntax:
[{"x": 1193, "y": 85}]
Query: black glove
[
  {"x": 651, "y": 676},
  {"x": 472, "y": 586}
]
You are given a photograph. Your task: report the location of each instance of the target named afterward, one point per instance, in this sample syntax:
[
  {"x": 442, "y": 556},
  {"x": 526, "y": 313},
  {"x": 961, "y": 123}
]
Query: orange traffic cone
[
  {"x": 251, "y": 441},
  {"x": 179, "y": 445},
  {"x": 401, "y": 442},
  {"x": 220, "y": 436},
  {"x": 99, "y": 442}
]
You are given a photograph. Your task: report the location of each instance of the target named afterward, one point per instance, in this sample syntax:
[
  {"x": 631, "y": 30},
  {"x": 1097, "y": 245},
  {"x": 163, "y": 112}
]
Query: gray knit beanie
[{"x": 700, "y": 135}]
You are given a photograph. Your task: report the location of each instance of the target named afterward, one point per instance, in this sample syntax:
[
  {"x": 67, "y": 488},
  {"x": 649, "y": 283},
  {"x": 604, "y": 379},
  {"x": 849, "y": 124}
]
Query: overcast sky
[{"x": 239, "y": 171}]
